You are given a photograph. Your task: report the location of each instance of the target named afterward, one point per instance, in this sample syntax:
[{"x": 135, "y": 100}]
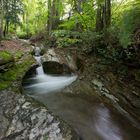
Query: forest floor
[{"x": 13, "y": 46}]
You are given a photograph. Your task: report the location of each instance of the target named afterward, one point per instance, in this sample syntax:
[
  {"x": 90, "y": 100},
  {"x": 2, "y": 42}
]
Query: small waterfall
[
  {"x": 37, "y": 51},
  {"x": 39, "y": 70}
]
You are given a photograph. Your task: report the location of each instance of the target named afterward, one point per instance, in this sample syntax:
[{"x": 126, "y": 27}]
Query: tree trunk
[
  {"x": 108, "y": 12},
  {"x": 7, "y": 19},
  {"x": 15, "y": 18},
  {"x": 49, "y": 24},
  {"x": 53, "y": 15},
  {"x": 103, "y": 17},
  {"x": 78, "y": 9},
  {"x": 99, "y": 18},
  {"x": 2, "y": 18}
]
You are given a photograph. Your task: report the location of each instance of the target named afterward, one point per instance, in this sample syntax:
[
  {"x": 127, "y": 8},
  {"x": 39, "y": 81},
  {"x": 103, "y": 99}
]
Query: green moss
[
  {"x": 5, "y": 55},
  {"x": 18, "y": 55},
  {"x": 45, "y": 138},
  {"x": 16, "y": 72},
  {"x": 4, "y": 85}
]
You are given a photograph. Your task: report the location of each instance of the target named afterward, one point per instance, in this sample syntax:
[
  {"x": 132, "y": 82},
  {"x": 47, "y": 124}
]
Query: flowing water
[{"x": 91, "y": 119}]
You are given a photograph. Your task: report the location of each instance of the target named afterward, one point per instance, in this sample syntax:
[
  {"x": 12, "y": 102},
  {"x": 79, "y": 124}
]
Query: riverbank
[{"x": 21, "y": 117}]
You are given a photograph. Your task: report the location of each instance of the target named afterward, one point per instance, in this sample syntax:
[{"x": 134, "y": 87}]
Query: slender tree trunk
[
  {"x": 2, "y": 18},
  {"x": 103, "y": 17},
  {"x": 7, "y": 19},
  {"x": 108, "y": 11},
  {"x": 99, "y": 18},
  {"x": 15, "y": 18},
  {"x": 53, "y": 15},
  {"x": 49, "y": 24},
  {"x": 57, "y": 13}
]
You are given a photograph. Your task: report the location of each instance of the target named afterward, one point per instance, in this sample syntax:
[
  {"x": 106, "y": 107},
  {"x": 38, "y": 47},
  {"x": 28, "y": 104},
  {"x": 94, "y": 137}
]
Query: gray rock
[{"x": 28, "y": 121}]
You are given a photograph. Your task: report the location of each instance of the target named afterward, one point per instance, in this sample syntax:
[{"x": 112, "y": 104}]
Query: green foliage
[
  {"x": 90, "y": 40},
  {"x": 66, "y": 33},
  {"x": 86, "y": 19},
  {"x": 66, "y": 38},
  {"x": 128, "y": 26},
  {"x": 129, "y": 22},
  {"x": 67, "y": 42},
  {"x": 18, "y": 55},
  {"x": 68, "y": 25},
  {"x": 5, "y": 56},
  {"x": 22, "y": 35},
  {"x": 33, "y": 19}
]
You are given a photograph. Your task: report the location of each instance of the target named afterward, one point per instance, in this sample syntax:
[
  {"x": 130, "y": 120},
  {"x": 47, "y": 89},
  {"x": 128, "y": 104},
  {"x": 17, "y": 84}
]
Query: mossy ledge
[{"x": 13, "y": 77}]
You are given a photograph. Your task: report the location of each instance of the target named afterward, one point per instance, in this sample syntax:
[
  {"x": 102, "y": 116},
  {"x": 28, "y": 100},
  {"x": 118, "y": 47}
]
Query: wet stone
[
  {"x": 28, "y": 121},
  {"x": 103, "y": 91}
]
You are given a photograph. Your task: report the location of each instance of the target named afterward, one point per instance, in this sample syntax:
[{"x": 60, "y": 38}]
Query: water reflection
[{"x": 105, "y": 126}]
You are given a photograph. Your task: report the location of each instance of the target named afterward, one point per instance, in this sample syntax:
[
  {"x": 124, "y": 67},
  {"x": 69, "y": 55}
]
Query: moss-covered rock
[
  {"x": 15, "y": 72},
  {"x": 5, "y": 57},
  {"x": 6, "y": 61}
]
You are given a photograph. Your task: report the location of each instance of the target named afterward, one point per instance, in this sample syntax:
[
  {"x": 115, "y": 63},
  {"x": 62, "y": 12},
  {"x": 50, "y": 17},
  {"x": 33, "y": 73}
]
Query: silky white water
[
  {"x": 44, "y": 83},
  {"x": 39, "y": 70}
]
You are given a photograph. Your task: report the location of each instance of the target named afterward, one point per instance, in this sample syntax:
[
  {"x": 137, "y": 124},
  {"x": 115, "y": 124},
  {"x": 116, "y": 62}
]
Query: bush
[
  {"x": 67, "y": 42},
  {"x": 63, "y": 38},
  {"x": 130, "y": 21},
  {"x": 22, "y": 35}
]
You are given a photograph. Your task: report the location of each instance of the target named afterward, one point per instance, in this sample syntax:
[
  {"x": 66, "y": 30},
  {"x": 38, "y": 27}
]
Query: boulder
[
  {"x": 6, "y": 61},
  {"x": 53, "y": 67}
]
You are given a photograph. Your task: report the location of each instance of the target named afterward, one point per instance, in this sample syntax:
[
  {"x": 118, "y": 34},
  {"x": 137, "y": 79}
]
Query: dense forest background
[{"x": 108, "y": 28}]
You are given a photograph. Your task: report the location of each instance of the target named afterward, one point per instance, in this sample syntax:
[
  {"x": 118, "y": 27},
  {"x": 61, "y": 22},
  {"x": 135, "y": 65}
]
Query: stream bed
[{"x": 89, "y": 117}]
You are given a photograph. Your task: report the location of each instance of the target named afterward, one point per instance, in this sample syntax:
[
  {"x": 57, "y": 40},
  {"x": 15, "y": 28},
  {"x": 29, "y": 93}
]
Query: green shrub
[
  {"x": 67, "y": 42},
  {"x": 63, "y": 38},
  {"x": 22, "y": 35},
  {"x": 130, "y": 21}
]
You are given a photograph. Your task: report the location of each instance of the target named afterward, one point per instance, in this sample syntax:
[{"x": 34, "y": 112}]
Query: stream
[{"x": 89, "y": 117}]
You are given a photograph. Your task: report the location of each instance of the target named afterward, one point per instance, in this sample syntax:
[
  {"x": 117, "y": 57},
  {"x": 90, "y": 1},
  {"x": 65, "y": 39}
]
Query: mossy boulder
[
  {"x": 6, "y": 61},
  {"x": 5, "y": 57},
  {"x": 16, "y": 72}
]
